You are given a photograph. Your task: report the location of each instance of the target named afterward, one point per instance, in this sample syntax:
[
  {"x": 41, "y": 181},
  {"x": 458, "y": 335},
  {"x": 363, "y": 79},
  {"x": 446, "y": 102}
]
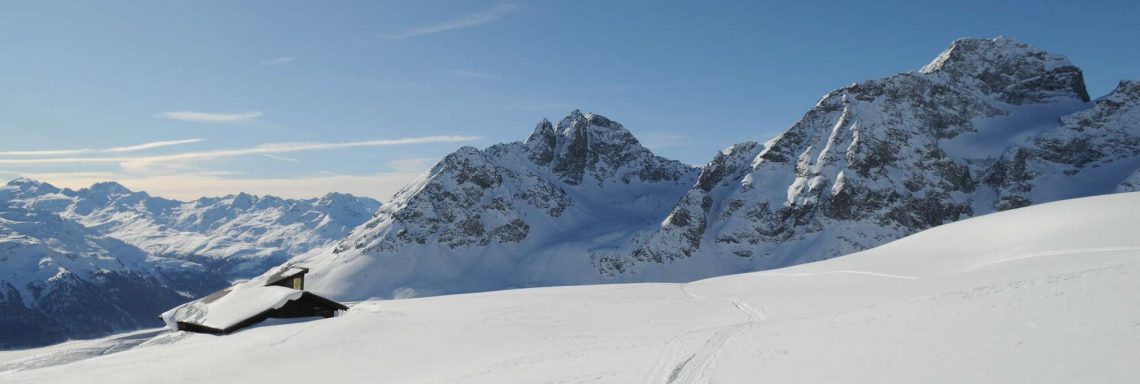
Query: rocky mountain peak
[
  {"x": 109, "y": 188},
  {"x": 19, "y": 181},
  {"x": 27, "y": 186},
  {"x": 589, "y": 144},
  {"x": 1127, "y": 90},
  {"x": 337, "y": 198},
  {"x": 243, "y": 200},
  {"x": 584, "y": 131},
  {"x": 1010, "y": 68},
  {"x": 577, "y": 120},
  {"x": 1119, "y": 110},
  {"x": 974, "y": 56}
]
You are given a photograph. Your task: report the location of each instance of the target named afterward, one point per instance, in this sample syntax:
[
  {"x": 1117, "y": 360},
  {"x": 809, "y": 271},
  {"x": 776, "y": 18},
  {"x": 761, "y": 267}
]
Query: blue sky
[{"x": 191, "y": 98}]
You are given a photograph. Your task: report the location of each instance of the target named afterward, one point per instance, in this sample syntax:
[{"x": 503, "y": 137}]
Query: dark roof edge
[{"x": 325, "y": 301}]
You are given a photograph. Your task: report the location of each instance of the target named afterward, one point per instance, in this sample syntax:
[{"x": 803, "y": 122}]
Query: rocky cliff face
[
  {"x": 988, "y": 125},
  {"x": 509, "y": 215},
  {"x": 1088, "y": 151}
]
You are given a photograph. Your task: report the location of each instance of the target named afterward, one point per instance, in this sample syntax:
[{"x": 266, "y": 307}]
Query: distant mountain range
[
  {"x": 988, "y": 125},
  {"x": 83, "y": 263}
]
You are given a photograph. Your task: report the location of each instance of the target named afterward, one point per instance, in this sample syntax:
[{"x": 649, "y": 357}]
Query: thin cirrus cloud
[
  {"x": 151, "y": 145},
  {"x": 466, "y": 21},
  {"x": 277, "y": 61},
  {"x": 280, "y": 158},
  {"x": 81, "y": 151},
  {"x": 193, "y": 185},
  {"x": 142, "y": 162},
  {"x": 209, "y": 117}
]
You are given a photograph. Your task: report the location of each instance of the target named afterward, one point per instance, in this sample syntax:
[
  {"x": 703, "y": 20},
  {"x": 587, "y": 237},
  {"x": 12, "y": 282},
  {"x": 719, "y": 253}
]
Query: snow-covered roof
[
  {"x": 285, "y": 273},
  {"x": 230, "y": 306}
]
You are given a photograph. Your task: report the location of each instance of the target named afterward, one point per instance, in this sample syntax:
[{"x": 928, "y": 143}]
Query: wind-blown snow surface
[{"x": 1038, "y": 294}]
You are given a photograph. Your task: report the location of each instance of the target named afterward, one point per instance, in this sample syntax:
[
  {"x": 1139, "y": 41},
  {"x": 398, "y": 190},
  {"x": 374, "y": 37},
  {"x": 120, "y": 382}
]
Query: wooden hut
[{"x": 280, "y": 294}]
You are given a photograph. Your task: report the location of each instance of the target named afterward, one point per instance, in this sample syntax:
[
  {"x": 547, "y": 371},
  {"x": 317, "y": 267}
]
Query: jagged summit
[
  {"x": 1126, "y": 90},
  {"x": 584, "y": 145},
  {"x": 107, "y": 188},
  {"x": 480, "y": 210},
  {"x": 22, "y": 181},
  {"x": 573, "y": 125},
  {"x": 26, "y": 182},
  {"x": 973, "y": 56},
  {"x": 1005, "y": 65},
  {"x": 337, "y": 196},
  {"x": 24, "y": 186}
]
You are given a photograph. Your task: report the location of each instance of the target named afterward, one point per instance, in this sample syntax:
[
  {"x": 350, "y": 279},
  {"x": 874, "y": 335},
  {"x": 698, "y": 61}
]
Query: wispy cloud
[
  {"x": 279, "y": 148},
  {"x": 474, "y": 74},
  {"x": 209, "y": 117},
  {"x": 277, "y": 61},
  {"x": 280, "y": 158},
  {"x": 466, "y": 21},
  {"x": 46, "y": 152},
  {"x": 139, "y": 163},
  {"x": 151, "y": 145},
  {"x": 192, "y": 185},
  {"x": 81, "y": 151}
]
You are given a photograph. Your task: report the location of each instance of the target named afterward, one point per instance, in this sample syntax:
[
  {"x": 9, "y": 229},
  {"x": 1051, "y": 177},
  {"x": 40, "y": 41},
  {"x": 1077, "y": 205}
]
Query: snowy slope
[
  {"x": 1037, "y": 294},
  {"x": 988, "y": 125}
]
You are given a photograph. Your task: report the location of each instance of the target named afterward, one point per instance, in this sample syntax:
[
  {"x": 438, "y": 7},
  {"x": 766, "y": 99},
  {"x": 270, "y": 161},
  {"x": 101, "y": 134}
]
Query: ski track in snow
[
  {"x": 842, "y": 272},
  {"x": 1060, "y": 252},
  {"x": 695, "y": 367}
]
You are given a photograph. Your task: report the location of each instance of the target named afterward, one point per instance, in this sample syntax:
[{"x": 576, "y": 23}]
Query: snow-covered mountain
[
  {"x": 104, "y": 259},
  {"x": 988, "y": 125},
  {"x": 60, "y": 280},
  {"x": 512, "y": 215},
  {"x": 1036, "y": 294},
  {"x": 237, "y": 235}
]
